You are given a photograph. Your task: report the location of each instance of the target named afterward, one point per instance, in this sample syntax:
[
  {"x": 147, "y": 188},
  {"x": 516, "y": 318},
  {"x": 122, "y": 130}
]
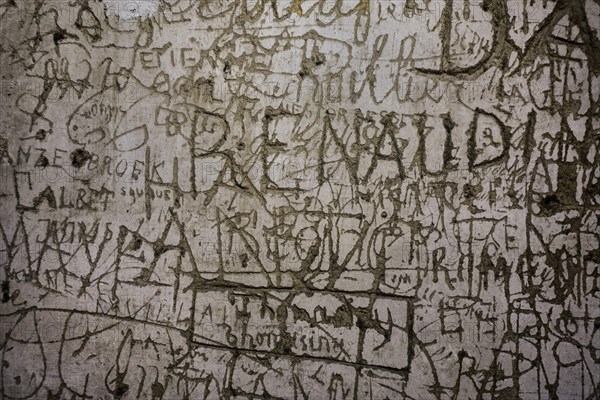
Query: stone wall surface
[{"x": 300, "y": 199}]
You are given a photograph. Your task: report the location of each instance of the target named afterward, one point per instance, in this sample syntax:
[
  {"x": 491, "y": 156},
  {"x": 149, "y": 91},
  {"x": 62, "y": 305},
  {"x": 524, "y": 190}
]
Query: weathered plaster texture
[{"x": 302, "y": 199}]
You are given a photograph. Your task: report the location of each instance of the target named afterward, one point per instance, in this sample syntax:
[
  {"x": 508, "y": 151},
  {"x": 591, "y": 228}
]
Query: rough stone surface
[{"x": 302, "y": 199}]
